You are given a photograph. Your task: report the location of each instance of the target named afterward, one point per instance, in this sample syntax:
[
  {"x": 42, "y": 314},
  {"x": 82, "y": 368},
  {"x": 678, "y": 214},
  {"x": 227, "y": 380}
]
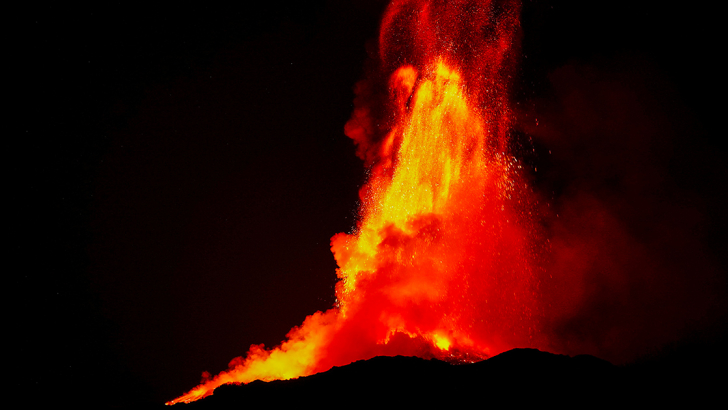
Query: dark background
[{"x": 177, "y": 171}]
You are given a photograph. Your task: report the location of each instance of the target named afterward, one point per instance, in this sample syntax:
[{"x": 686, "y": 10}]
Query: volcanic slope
[{"x": 516, "y": 377}]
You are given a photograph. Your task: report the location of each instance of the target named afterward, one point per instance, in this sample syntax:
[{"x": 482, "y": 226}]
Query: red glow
[{"x": 440, "y": 263}]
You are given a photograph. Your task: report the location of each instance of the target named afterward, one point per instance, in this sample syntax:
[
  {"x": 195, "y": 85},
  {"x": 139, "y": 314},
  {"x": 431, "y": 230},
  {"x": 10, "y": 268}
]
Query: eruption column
[{"x": 439, "y": 264}]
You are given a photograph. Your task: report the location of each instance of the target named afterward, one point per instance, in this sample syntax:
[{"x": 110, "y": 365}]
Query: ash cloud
[
  {"x": 370, "y": 120},
  {"x": 628, "y": 271}
]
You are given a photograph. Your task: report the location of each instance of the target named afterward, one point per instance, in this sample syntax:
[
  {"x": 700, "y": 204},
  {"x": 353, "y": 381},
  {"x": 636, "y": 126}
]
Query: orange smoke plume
[{"x": 440, "y": 263}]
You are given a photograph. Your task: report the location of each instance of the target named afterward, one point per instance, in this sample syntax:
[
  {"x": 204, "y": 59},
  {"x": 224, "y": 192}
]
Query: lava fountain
[{"x": 440, "y": 263}]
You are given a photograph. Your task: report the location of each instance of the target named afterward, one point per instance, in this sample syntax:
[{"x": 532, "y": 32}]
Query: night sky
[{"x": 177, "y": 172}]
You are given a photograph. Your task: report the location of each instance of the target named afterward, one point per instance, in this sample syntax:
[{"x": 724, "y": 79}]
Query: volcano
[
  {"x": 515, "y": 377},
  {"x": 454, "y": 255},
  {"x": 179, "y": 171},
  {"x": 441, "y": 262}
]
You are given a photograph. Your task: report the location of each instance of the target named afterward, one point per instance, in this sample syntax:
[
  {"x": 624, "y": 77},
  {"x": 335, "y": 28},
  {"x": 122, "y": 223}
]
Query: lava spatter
[{"x": 440, "y": 262}]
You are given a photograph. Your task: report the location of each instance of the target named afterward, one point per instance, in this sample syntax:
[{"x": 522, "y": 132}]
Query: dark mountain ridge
[{"x": 515, "y": 378}]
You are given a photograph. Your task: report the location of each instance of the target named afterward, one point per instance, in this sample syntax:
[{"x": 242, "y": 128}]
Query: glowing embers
[
  {"x": 298, "y": 356},
  {"x": 440, "y": 151},
  {"x": 410, "y": 253},
  {"x": 439, "y": 263}
]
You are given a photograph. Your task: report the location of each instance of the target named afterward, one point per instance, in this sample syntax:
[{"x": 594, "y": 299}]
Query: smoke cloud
[{"x": 627, "y": 271}]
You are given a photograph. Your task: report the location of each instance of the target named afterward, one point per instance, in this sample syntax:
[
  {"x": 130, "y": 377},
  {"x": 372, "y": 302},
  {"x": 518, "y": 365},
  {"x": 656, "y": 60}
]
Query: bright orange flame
[
  {"x": 442, "y": 342},
  {"x": 439, "y": 263}
]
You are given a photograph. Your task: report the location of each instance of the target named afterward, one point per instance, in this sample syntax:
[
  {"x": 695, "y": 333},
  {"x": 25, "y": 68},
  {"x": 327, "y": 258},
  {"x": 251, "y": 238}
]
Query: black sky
[{"x": 177, "y": 171}]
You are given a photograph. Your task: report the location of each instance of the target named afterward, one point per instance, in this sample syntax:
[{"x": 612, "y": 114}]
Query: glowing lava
[{"x": 439, "y": 264}]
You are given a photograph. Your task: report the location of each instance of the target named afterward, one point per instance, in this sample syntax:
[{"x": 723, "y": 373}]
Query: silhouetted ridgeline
[{"x": 514, "y": 378}]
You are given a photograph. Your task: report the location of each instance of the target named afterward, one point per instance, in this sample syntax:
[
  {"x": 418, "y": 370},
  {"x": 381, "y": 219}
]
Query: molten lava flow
[{"x": 439, "y": 264}]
